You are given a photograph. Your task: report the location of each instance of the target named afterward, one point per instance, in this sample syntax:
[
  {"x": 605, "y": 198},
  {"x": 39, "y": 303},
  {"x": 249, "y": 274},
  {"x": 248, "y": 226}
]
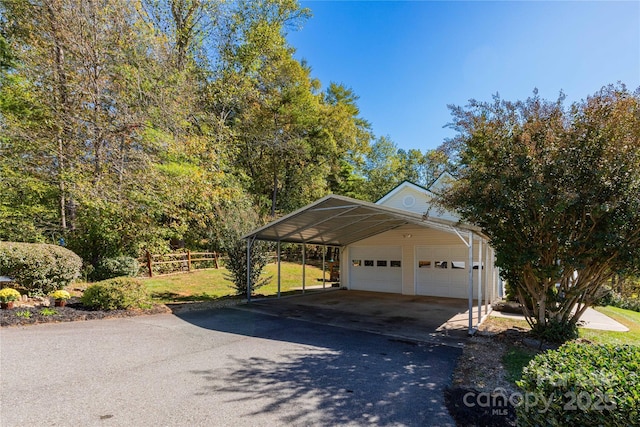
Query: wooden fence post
[
  {"x": 149, "y": 264},
  {"x": 215, "y": 257},
  {"x": 188, "y": 260}
]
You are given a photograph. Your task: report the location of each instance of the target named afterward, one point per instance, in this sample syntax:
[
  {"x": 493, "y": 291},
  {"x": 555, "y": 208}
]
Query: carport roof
[{"x": 340, "y": 221}]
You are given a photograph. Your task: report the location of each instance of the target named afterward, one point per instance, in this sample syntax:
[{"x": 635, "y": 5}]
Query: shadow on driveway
[{"x": 331, "y": 376}]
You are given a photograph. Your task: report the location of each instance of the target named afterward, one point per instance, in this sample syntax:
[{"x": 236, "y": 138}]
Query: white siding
[
  {"x": 437, "y": 212},
  {"x": 409, "y": 199}
]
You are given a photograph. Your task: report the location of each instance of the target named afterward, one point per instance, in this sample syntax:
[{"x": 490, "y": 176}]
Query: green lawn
[
  {"x": 206, "y": 285},
  {"x": 630, "y": 319},
  {"x": 516, "y": 358}
]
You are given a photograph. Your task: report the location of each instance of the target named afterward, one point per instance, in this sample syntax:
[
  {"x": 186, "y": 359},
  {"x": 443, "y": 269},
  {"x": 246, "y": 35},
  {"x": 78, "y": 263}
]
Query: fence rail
[{"x": 183, "y": 261}]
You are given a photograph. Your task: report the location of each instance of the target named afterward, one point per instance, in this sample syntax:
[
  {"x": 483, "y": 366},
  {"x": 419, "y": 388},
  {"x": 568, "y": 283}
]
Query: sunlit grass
[
  {"x": 517, "y": 357},
  {"x": 630, "y": 319},
  {"x": 204, "y": 285}
]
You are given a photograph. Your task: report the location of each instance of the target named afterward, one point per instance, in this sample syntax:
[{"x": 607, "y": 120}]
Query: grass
[
  {"x": 516, "y": 358},
  {"x": 207, "y": 285},
  {"x": 630, "y": 319}
]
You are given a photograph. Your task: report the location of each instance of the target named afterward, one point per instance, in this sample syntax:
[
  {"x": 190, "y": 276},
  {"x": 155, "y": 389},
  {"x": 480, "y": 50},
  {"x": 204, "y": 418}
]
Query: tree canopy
[
  {"x": 128, "y": 125},
  {"x": 557, "y": 191}
]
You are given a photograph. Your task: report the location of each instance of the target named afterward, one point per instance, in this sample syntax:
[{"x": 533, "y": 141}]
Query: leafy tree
[
  {"x": 126, "y": 125},
  {"x": 385, "y": 166},
  {"x": 235, "y": 220},
  {"x": 557, "y": 190}
]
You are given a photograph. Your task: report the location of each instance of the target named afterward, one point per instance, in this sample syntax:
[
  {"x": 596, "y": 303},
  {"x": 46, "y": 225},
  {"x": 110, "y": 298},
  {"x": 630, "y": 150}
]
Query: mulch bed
[
  {"x": 471, "y": 408},
  {"x": 74, "y": 310}
]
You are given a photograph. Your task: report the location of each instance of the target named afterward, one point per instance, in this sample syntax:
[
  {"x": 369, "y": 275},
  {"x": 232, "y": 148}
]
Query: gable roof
[
  {"x": 400, "y": 187},
  {"x": 340, "y": 221},
  {"x": 442, "y": 177}
]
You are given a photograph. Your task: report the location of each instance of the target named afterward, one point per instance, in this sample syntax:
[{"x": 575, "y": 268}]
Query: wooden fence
[{"x": 180, "y": 262}]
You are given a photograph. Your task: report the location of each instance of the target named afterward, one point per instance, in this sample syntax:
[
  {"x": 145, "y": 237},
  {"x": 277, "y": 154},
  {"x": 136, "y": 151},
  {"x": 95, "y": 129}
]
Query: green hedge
[
  {"x": 582, "y": 385},
  {"x": 116, "y": 294},
  {"x": 37, "y": 267},
  {"x": 122, "y": 266}
]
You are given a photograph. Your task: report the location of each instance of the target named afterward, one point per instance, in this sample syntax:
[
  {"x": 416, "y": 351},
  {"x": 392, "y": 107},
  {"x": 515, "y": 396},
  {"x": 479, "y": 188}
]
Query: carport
[{"x": 340, "y": 221}]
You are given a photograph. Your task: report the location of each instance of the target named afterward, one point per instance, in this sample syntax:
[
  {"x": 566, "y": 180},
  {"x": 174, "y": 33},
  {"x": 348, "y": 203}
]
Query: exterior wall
[
  {"x": 406, "y": 237},
  {"x": 432, "y": 245},
  {"x": 408, "y": 198}
]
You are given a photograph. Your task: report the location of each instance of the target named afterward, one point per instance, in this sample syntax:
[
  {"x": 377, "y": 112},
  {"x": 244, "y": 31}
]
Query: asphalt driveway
[{"x": 218, "y": 367}]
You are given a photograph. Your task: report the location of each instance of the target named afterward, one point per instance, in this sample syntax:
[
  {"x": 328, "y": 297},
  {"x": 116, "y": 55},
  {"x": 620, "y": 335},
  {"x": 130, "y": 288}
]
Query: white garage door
[
  {"x": 376, "y": 268},
  {"x": 442, "y": 271}
]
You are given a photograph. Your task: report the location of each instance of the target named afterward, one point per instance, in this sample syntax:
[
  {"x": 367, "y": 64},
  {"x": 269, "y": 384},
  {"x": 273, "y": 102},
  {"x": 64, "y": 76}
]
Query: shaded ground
[
  {"x": 219, "y": 367},
  {"x": 473, "y": 398},
  {"x": 421, "y": 318},
  {"x": 479, "y": 394}
]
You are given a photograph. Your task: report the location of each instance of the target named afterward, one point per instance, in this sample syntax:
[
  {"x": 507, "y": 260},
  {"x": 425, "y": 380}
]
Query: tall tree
[
  {"x": 557, "y": 190},
  {"x": 289, "y": 135}
]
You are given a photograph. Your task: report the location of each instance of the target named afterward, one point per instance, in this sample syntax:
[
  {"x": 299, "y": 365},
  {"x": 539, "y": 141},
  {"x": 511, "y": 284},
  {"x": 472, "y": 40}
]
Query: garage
[
  {"x": 376, "y": 268},
  {"x": 413, "y": 250},
  {"x": 441, "y": 271}
]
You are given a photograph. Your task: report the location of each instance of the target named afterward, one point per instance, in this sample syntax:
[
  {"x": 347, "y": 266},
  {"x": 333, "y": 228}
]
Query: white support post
[
  {"x": 304, "y": 262},
  {"x": 279, "y": 275},
  {"x": 486, "y": 280},
  {"x": 495, "y": 275},
  {"x": 249, "y": 242},
  {"x": 324, "y": 253},
  {"x": 479, "y": 281},
  {"x": 470, "y": 283}
]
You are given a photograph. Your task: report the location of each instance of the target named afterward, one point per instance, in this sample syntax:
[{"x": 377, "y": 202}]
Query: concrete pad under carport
[{"x": 414, "y": 317}]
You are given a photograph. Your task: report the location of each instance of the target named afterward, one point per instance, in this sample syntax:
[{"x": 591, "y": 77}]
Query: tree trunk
[{"x": 542, "y": 308}]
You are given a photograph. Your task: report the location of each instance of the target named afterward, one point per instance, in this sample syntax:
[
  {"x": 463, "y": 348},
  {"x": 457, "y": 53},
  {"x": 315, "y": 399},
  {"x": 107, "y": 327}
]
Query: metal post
[
  {"x": 249, "y": 242},
  {"x": 279, "y": 275},
  {"x": 470, "y": 282},
  {"x": 486, "y": 280},
  {"x": 479, "y": 280},
  {"x": 324, "y": 253},
  {"x": 304, "y": 261},
  {"x": 494, "y": 280}
]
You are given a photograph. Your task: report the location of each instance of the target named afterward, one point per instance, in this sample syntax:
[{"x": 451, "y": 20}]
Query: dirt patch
[{"x": 480, "y": 393}]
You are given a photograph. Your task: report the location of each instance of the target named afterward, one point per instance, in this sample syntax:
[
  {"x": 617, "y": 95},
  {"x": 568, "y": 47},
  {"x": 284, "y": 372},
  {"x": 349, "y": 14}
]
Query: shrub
[
  {"x": 9, "y": 294},
  {"x": 116, "y": 294},
  {"x": 237, "y": 266},
  {"x": 61, "y": 294},
  {"x": 37, "y": 267},
  {"x": 581, "y": 384},
  {"x": 555, "y": 331},
  {"x": 108, "y": 268},
  {"x": 615, "y": 299}
]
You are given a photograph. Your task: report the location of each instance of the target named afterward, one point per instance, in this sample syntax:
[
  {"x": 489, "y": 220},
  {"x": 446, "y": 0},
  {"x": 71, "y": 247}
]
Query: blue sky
[{"x": 408, "y": 59}]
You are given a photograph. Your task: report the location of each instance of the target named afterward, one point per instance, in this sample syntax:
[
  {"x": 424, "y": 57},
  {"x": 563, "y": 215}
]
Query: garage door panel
[
  {"x": 442, "y": 271},
  {"x": 371, "y": 268}
]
